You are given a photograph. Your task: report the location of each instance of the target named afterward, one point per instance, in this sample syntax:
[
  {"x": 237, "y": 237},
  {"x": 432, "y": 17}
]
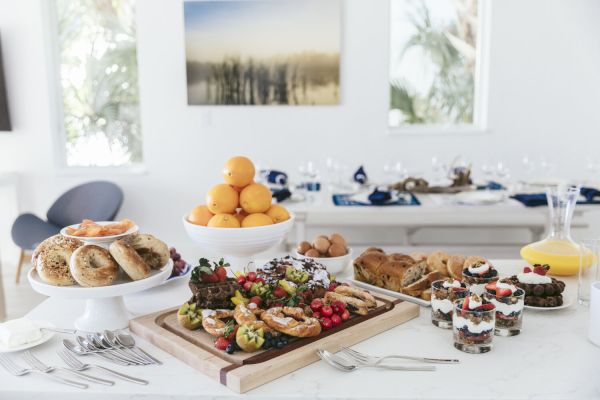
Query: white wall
[{"x": 544, "y": 92}]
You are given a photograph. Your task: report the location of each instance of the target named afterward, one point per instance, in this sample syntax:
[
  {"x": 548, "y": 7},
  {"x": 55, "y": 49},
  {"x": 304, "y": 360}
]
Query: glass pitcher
[{"x": 558, "y": 250}]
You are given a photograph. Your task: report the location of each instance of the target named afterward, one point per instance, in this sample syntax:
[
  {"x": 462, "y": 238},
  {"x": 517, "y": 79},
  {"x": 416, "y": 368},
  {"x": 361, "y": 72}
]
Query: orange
[
  {"x": 240, "y": 215},
  {"x": 255, "y": 198},
  {"x": 256, "y": 219},
  {"x": 278, "y": 213},
  {"x": 200, "y": 215},
  {"x": 224, "y": 221},
  {"x": 222, "y": 199},
  {"x": 239, "y": 171}
]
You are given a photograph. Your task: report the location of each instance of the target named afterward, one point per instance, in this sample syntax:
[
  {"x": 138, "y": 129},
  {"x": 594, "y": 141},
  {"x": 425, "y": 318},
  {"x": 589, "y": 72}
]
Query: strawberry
[
  {"x": 526, "y": 270},
  {"x": 211, "y": 278},
  {"x": 222, "y": 343},
  {"x": 256, "y": 300},
  {"x": 488, "y": 306},
  {"x": 221, "y": 274},
  {"x": 465, "y": 305},
  {"x": 541, "y": 269},
  {"x": 279, "y": 292},
  {"x": 491, "y": 286},
  {"x": 503, "y": 292}
]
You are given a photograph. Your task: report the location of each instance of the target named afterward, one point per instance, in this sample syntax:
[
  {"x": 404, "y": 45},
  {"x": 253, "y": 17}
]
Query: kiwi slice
[
  {"x": 295, "y": 275},
  {"x": 250, "y": 339},
  {"x": 189, "y": 316}
]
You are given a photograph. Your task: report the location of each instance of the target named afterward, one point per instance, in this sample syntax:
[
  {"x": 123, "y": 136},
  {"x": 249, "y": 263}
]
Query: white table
[
  {"x": 551, "y": 359},
  {"x": 435, "y": 211}
]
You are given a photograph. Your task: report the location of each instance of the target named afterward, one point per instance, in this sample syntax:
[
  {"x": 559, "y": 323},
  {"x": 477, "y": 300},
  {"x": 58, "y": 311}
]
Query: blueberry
[
  {"x": 284, "y": 341},
  {"x": 268, "y": 335},
  {"x": 268, "y": 344},
  {"x": 230, "y": 348},
  {"x": 279, "y": 345}
]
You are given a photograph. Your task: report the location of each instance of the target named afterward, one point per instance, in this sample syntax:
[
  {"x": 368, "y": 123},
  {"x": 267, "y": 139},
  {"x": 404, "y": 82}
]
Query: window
[
  {"x": 435, "y": 63},
  {"x": 97, "y": 70}
]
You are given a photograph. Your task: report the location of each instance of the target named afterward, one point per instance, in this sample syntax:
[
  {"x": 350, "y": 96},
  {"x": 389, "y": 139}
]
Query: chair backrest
[{"x": 98, "y": 201}]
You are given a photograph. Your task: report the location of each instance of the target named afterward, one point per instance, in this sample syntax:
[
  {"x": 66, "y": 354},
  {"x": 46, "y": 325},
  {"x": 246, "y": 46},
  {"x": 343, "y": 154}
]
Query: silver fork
[
  {"x": 34, "y": 362},
  {"x": 368, "y": 359},
  {"x": 77, "y": 365},
  {"x": 17, "y": 370},
  {"x": 347, "y": 366}
]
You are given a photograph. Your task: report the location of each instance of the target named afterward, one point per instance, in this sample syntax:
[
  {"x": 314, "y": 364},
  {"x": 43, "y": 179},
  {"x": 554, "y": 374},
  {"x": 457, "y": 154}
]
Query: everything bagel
[{"x": 51, "y": 259}]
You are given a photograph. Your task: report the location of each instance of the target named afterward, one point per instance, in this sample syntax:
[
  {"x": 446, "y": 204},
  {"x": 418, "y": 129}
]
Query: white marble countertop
[{"x": 551, "y": 359}]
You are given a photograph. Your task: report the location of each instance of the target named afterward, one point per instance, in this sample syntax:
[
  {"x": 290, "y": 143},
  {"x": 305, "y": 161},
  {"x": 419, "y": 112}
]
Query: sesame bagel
[
  {"x": 154, "y": 252},
  {"x": 93, "y": 266},
  {"x": 51, "y": 259},
  {"x": 131, "y": 262}
]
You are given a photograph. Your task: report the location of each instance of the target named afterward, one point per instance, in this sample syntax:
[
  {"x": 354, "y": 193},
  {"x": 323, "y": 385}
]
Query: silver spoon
[
  {"x": 128, "y": 341},
  {"x": 96, "y": 345},
  {"x": 79, "y": 350},
  {"x": 88, "y": 345},
  {"x": 105, "y": 343}
]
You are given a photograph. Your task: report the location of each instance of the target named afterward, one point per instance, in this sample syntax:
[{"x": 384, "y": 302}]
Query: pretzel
[
  {"x": 353, "y": 304},
  {"x": 358, "y": 293},
  {"x": 291, "y": 321},
  {"x": 246, "y": 315},
  {"x": 212, "y": 321}
]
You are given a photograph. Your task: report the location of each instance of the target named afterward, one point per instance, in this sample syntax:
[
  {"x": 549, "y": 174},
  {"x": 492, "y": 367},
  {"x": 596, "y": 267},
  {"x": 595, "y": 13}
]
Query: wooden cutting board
[{"x": 244, "y": 371}]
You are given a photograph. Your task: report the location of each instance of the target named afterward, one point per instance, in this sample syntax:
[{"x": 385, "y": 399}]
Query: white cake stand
[
  {"x": 238, "y": 245},
  {"x": 104, "y": 306}
]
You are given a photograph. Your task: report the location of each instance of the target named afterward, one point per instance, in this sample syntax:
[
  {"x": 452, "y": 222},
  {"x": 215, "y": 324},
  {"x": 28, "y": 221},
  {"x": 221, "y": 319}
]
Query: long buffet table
[{"x": 551, "y": 359}]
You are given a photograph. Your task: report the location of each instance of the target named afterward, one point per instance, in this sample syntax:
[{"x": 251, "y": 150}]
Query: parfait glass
[
  {"x": 509, "y": 312},
  {"x": 473, "y": 330}
]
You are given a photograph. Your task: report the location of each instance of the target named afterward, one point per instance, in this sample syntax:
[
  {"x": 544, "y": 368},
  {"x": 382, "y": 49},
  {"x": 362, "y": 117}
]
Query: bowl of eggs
[{"x": 331, "y": 251}]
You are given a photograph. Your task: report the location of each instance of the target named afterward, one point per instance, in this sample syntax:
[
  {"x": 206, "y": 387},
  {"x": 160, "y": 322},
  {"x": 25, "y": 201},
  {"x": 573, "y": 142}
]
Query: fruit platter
[{"x": 235, "y": 324}]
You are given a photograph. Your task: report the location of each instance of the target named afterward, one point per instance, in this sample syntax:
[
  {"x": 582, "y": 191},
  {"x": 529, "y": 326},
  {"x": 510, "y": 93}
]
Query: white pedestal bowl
[
  {"x": 238, "y": 245},
  {"x": 104, "y": 306}
]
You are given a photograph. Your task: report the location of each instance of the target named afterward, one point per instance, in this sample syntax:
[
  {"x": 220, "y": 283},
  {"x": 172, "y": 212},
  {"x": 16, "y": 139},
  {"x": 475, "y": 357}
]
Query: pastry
[
  {"x": 129, "y": 259},
  {"x": 291, "y": 321},
  {"x": 437, "y": 261},
  {"x": 311, "y": 273},
  {"x": 394, "y": 273},
  {"x": 212, "y": 321},
  {"x": 455, "y": 266},
  {"x": 540, "y": 289},
  {"x": 353, "y": 304},
  {"x": 92, "y": 266},
  {"x": 358, "y": 293},
  {"x": 426, "y": 294},
  {"x": 51, "y": 259},
  {"x": 419, "y": 256}
]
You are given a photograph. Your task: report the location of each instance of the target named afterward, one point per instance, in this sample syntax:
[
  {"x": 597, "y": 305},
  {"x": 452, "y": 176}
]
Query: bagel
[
  {"x": 358, "y": 293},
  {"x": 93, "y": 266},
  {"x": 437, "y": 261},
  {"x": 291, "y": 321},
  {"x": 154, "y": 252},
  {"x": 131, "y": 262},
  {"x": 353, "y": 304},
  {"x": 51, "y": 259},
  {"x": 212, "y": 321}
]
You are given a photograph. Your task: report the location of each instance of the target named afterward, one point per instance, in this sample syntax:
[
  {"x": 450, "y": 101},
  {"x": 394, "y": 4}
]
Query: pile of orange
[{"x": 239, "y": 202}]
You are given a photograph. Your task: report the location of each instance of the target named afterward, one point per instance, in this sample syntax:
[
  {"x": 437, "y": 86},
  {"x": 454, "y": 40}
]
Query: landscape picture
[
  {"x": 263, "y": 52},
  {"x": 4, "y": 116}
]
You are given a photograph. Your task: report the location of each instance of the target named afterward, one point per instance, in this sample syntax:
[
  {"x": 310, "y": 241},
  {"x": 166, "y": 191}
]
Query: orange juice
[{"x": 563, "y": 256}]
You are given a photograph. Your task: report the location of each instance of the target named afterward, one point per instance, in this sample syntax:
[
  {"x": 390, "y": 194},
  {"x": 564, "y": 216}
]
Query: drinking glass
[
  {"x": 473, "y": 331},
  {"x": 588, "y": 269}
]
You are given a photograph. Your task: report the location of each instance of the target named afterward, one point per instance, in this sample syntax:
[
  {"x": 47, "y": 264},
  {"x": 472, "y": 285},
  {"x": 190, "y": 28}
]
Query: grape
[
  {"x": 180, "y": 265},
  {"x": 176, "y": 256},
  {"x": 172, "y": 250}
]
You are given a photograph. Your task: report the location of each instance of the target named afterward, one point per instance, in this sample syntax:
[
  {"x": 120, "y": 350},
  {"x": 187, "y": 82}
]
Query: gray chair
[{"x": 98, "y": 201}]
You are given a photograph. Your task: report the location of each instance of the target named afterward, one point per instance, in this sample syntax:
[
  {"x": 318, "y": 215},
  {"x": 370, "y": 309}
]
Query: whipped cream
[
  {"x": 507, "y": 309},
  {"x": 252, "y": 306},
  {"x": 461, "y": 322},
  {"x": 282, "y": 321},
  {"x": 481, "y": 269},
  {"x": 503, "y": 285},
  {"x": 444, "y": 306},
  {"x": 478, "y": 289},
  {"x": 475, "y": 302},
  {"x": 454, "y": 284},
  {"x": 18, "y": 332},
  {"x": 532, "y": 277}
]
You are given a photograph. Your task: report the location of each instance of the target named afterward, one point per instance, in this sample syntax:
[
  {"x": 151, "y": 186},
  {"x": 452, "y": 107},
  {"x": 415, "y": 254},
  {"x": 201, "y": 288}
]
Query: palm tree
[{"x": 451, "y": 49}]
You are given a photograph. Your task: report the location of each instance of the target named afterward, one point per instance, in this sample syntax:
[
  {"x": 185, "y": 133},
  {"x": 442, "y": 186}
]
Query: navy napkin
[
  {"x": 281, "y": 194},
  {"x": 491, "y": 185},
  {"x": 379, "y": 197},
  {"x": 531, "y": 200},
  {"x": 275, "y": 177},
  {"x": 589, "y": 193},
  {"x": 360, "y": 176}
]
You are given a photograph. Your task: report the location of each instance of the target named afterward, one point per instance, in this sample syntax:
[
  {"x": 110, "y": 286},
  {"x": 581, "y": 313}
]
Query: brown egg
[
  {"x": 321, "y": 244},
  {"x": 337, "y": 250},
  {"x": 312, "y": 253},
  {"x": 303, "y": 247},
  {"x": 337, "y": 238}
]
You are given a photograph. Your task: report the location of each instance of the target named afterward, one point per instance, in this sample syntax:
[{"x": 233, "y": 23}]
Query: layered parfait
[
  {"x": 478, "y": 274},
  {"x": 473, "y": 324},
  {"x": 509, "y": 301},
  {"x": 443, "y": 295}
]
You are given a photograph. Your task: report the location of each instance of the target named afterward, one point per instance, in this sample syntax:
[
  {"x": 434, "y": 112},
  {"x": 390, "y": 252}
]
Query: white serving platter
[
  {"x": 566, "y": 304},
  {"x": 391, "y": 293}
]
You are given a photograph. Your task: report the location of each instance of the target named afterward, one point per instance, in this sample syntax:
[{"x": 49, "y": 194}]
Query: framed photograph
[
  {"x": 4, "y": 116},
  {"x": 263, "y": 52}
]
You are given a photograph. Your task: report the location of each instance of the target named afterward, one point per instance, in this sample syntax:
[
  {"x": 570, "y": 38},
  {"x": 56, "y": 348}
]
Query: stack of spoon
[{"x": 115, "y": 346}]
